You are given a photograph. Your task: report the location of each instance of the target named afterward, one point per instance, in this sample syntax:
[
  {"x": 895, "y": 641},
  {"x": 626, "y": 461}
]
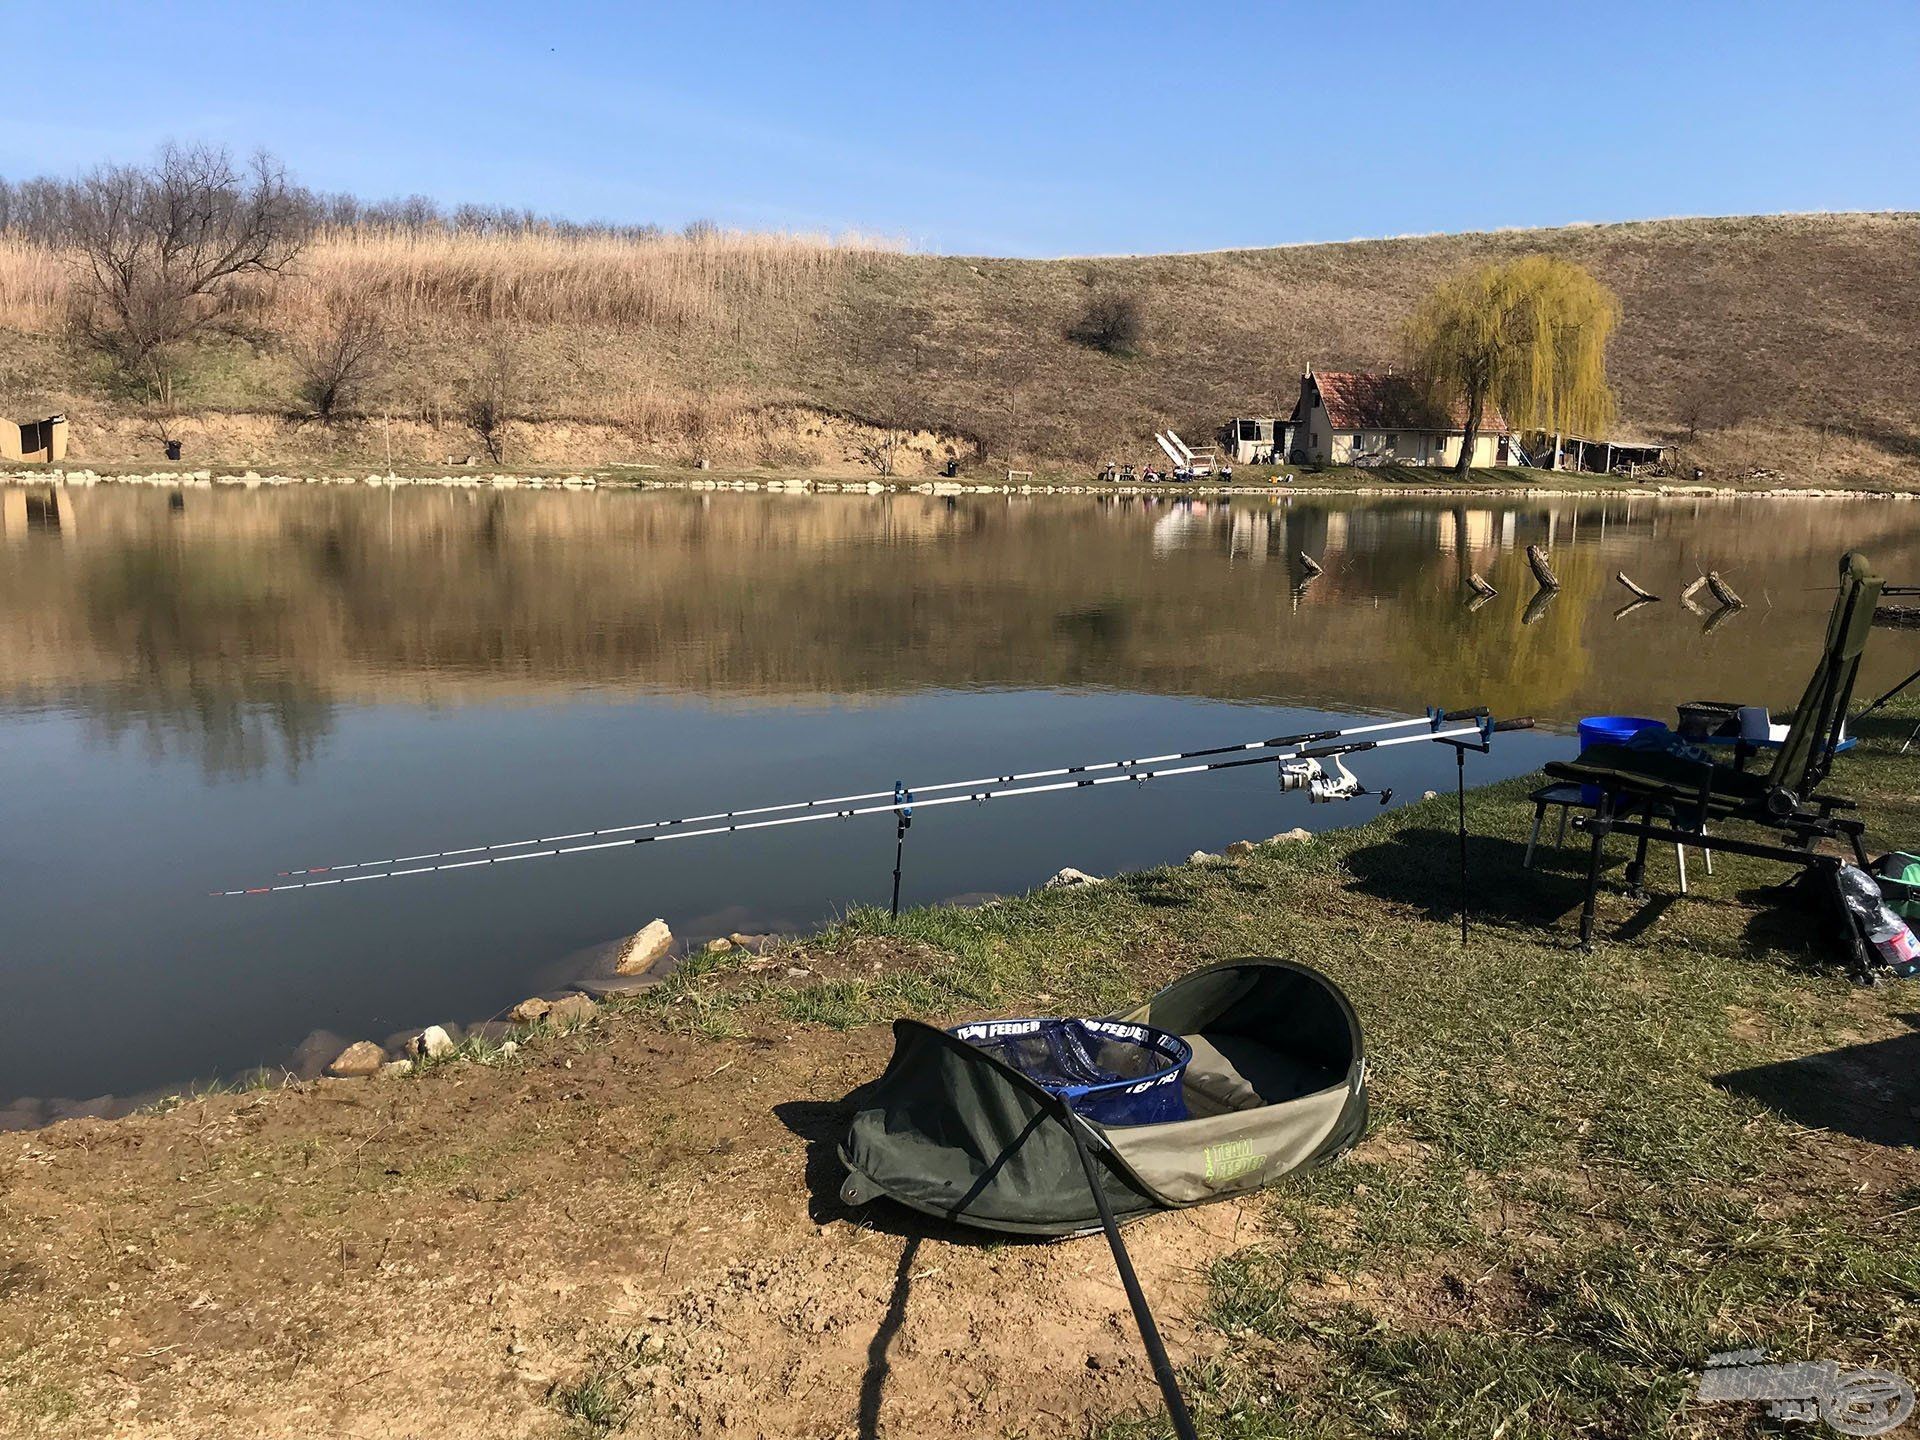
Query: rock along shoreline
[{"x": 807, "y": 484}]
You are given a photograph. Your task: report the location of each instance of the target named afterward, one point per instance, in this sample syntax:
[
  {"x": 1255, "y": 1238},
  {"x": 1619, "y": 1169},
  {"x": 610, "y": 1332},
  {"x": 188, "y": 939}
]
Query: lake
[{"x": 198, "y": 691}]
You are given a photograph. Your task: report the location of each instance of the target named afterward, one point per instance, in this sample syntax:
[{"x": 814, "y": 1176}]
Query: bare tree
[
  {"x": 343, "y": 360},
  {"x": 163, "y": 249},
  {"x": 492, "y": 391},
  {"x": 881, "y": 450}
]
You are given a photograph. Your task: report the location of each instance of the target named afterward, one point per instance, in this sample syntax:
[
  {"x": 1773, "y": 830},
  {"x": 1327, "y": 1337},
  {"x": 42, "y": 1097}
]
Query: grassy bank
[
  {"x": 1777, "y": 343},
  {"x": 1585, "y": 1174}
]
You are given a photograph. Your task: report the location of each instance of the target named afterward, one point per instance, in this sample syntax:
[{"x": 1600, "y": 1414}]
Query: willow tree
[{"x": 1529, "y": 336}]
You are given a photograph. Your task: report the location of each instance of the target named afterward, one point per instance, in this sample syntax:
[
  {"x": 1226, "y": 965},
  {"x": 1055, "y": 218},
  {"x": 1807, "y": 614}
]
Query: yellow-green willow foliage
[{"x": 1530, "y": 336}]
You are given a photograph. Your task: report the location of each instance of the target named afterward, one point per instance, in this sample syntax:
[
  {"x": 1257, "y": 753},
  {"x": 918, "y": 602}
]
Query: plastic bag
[{"x": 1889, "y": 935}]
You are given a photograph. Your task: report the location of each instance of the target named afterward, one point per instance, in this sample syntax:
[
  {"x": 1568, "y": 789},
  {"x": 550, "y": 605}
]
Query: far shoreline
[{"x": 1504, "y": 484}]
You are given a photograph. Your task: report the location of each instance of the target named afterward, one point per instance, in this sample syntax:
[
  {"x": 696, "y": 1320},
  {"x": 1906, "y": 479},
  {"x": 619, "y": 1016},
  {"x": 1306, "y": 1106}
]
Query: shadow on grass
[
  {"x": 1160, "y": 891},
  {"x": 1421, "y": 867},
  {"x": 1870, "y": 1091},
  {"x": 1793, "y": 919}
]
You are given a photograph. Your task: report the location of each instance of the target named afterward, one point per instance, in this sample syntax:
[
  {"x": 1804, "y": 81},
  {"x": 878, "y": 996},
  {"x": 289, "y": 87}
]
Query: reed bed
[
  {"x": 33, "y": 284},
  {"x": 704, "y": 278}
]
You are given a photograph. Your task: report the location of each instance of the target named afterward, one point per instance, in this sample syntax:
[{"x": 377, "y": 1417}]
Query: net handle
[{"x": 1077, "y": 1130}]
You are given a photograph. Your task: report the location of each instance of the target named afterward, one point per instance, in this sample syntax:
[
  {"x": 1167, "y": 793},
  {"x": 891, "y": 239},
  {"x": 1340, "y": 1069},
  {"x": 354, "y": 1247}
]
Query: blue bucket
[{"x": 1610, "y": 730}]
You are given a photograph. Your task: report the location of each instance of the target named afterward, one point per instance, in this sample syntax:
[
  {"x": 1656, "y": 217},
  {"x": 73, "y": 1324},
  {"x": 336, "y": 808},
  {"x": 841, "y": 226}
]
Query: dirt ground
[{"x": 625, "y": 1227}]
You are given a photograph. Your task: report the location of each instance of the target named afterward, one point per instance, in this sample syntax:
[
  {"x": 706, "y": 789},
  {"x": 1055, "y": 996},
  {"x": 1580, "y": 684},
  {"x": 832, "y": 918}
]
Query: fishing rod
[
  {"x": 902, "y": 798},
  {"x": 1433, "y": 719}
]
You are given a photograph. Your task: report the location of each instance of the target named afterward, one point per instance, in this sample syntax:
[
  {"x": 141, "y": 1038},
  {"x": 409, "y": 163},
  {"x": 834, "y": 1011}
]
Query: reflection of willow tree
[
  {"x": 247, "y": 610},
  {"x": 1513, "y": 668},
  {"x": 189, "y": 622}
]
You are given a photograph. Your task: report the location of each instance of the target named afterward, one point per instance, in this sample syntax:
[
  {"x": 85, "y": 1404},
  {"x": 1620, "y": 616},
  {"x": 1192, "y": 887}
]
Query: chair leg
[
  {"x": 1533, "y": 837},
  {"x": 1599, "y": 826},
  {"x": 1561, "y": 842},
  {"x": 1637, "y": 870},
  {"x": 1706, "y": 851},
  {"x": 1680, "y": 861}
]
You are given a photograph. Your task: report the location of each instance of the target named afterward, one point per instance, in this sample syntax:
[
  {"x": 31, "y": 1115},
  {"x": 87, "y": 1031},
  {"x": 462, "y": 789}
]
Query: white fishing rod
[
  {"x": 902, "y": 800},
  {"x": 1433, "y": 719}
]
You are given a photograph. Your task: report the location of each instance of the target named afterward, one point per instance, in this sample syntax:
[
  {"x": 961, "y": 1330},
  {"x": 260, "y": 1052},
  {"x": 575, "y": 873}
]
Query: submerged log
[
  {"x": 1638, "y": 603},
  {"x": 1474, "y": 602},
  {"x": 1478, "y": 584},
  {"x": 1542, "y": 602},
  {"x": 1692, "y": 590},
  {"x": 1542, "y": 571},
  {"x": 1722, "y": 591},
  {"x": 1309, "y": 564},
  {"x": 1638, "y": 591}
]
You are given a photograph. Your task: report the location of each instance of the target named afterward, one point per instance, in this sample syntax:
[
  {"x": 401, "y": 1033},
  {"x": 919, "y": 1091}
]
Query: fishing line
[{"x": 1006, "y": 788}]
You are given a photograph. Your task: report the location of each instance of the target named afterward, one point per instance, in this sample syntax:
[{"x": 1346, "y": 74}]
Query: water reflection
[
  {"x": 237, "y": 621},
  {"x": 194, "y": 692}
]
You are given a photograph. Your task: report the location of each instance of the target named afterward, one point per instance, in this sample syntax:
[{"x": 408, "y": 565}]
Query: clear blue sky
[{"x": 1028, "y": 129}]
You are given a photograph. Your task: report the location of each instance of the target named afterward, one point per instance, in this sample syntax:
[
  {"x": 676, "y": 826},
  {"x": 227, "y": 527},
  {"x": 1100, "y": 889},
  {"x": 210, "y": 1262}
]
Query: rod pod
[{"x": 903, "y": 822}]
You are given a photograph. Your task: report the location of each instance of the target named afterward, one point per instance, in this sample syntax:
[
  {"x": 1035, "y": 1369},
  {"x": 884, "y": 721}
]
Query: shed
[{"x": 39, "y": 441}]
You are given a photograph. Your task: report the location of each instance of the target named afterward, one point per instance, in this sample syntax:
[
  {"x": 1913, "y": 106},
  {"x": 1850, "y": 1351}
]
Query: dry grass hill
[{"x": 1790, "y": 343}]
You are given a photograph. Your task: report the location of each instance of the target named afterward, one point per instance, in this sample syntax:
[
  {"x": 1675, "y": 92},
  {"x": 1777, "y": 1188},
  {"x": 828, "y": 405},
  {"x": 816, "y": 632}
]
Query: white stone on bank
[{"x": 654, "y": 940}]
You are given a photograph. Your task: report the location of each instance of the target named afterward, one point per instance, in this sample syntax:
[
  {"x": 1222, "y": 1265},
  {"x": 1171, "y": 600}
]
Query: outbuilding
[
  {"x": 1361, "y": 417},
  {"x": 41, "y": 441},
  {"x": 1598, "y": 457}
]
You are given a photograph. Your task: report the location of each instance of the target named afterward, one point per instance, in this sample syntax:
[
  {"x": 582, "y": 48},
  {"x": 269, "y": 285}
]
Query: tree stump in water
[
  {"x": 1639, "y": 592},
  {"x": 1542, "y": 571},
  {"x": 1309, "y": 564},
  {"x": 1478, "y": 584},
  {"x": 1722, "y": 591}
]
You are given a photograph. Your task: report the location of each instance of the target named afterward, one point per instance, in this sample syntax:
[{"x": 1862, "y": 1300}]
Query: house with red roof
[{"x": 1363, "y": 417}]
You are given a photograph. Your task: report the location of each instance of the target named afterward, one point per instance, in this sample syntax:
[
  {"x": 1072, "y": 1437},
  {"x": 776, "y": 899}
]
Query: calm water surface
[{"x": 195, "y": 695}]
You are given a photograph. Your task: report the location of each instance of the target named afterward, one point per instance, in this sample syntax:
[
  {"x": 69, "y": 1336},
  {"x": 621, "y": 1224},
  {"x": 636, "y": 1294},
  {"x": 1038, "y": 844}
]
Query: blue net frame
[{"x": 1111, "y": 1071}]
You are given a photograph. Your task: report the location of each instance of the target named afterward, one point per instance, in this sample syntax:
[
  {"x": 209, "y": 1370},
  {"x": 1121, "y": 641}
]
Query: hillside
[{"x": 1788, "y": 342}]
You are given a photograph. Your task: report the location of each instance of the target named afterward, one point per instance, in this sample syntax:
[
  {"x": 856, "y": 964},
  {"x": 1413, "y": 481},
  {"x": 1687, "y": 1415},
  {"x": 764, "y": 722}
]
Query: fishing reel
[{"x": 1323, "y": 785}]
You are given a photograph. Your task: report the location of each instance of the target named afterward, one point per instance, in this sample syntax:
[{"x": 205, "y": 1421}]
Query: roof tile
[{"x": 1368, "y": 400}]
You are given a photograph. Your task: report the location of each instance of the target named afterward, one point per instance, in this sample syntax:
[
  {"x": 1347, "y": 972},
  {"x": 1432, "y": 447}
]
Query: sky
[{"x": 1006, "y": 129}]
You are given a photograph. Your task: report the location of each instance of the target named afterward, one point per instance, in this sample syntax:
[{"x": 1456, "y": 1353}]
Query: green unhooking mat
[{"x": 1277, "y": 1083}]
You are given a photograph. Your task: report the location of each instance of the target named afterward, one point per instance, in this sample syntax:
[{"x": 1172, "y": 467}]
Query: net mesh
[{"x": 1110, "y": 1071}]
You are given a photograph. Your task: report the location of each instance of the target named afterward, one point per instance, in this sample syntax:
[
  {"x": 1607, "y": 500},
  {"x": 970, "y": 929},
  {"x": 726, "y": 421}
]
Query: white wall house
[{"x": 1346, "y": 417}]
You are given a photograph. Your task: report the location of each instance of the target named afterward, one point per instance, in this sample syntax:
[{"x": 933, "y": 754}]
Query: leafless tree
[
  {"x": 163, "y": 249},
  {"x": 492, "y": 392},
  {"x": 881, "y": 450},
  {"x": 343, "y": 360}
]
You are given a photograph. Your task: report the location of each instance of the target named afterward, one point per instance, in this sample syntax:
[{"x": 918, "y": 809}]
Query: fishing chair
[{"x": 1671, "y": 794}]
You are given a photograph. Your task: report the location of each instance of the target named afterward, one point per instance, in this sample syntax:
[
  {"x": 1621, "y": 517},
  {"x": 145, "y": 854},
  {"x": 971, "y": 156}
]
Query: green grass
[
  {"x": 593, "y": 1405},
  {"x": 1558, "y": 1214}
]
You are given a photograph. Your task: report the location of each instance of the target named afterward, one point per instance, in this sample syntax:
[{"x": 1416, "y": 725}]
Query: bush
[
  {"x": 341, "y": 360},
  {"x": 1113, "y": 324}
]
